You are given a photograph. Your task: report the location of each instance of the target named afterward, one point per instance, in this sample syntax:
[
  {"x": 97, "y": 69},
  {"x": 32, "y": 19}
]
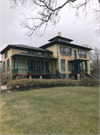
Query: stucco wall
[
  {"x": 9, "y": 53},
  {"x": 17, "y": 51},
  {"x": 53, "y": 49},
  {"x": 66, "y": 58},
  {"x": 59, "y": 56}
]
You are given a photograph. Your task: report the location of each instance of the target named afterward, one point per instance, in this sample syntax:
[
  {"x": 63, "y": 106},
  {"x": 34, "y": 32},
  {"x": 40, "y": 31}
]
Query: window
[
  {"x": 46, "y": 54},
  {"x": 65, "y": 51},
  {"x": 31, "y": 52},
  {"x": 82, "y": 54},
  {"x": 38, "y": 53},
  {"x": 63, "y": 65},
  {"x": 4, "y": 66},
  {"x": 32, "y": 64},
  {"x": 8, "y": 65},
  {"x": 43, "y": 53},
  {"x": 5, "y": 54}
]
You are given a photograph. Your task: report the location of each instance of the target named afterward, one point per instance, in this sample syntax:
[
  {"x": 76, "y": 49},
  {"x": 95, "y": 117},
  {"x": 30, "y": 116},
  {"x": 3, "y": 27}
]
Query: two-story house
[{"x": 57, "y": 59}]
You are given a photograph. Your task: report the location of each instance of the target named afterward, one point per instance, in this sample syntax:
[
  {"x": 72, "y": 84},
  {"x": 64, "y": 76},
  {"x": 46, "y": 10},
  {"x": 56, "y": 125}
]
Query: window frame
[
  {"x": 8, "y": 64},
  {"x": 65, "y": 51},
  {"x": 82, "y": 54},
  {"x": 4, "y": 66},
  {"x": 62, "y": 65}
]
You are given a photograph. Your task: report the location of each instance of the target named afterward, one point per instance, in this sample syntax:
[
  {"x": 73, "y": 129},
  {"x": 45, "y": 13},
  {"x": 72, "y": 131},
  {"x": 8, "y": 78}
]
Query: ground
[{"x": 57, "y": 110}]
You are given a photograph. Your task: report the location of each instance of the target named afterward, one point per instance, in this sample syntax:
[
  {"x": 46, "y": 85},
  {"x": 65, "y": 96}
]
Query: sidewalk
[{"x": 3, "y": 87}]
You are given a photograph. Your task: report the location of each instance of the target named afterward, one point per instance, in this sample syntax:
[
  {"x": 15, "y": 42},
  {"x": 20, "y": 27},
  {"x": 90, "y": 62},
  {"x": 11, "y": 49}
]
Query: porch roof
[
  {"x": 78, "y": 60},
  {"x": 33, "y": 56}
]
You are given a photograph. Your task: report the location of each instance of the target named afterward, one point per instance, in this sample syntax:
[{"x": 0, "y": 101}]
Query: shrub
[{"x": 89, "y": 82}]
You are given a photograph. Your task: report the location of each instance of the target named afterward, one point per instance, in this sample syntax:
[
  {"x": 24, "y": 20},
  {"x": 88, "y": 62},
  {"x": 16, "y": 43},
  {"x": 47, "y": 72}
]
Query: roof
[
  {"x": 62, "y": 38},
  {"x": 66, "y": 44},
  {"x": 78, "y": 60},
  {"x": 20, "y": 46},
  {"x": 34, "y": 56}
]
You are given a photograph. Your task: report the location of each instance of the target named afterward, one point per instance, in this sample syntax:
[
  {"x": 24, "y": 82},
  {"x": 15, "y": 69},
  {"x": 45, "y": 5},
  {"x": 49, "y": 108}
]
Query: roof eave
[{"x": 67, "y": 44}]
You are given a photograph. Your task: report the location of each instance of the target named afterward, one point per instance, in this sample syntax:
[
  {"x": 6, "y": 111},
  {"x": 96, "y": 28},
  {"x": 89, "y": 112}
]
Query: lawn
[{"x": 57, "y": 110}]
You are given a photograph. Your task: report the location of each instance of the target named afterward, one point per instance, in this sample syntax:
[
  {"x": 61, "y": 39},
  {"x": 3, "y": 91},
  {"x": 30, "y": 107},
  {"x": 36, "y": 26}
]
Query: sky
[{"x": 80, "y": 29}]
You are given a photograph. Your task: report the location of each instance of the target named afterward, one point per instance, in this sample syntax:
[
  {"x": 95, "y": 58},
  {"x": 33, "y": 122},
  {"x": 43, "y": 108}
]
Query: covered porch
[
  {"x": 33, "y": 66},
  {"x": 78, "y": 66}
]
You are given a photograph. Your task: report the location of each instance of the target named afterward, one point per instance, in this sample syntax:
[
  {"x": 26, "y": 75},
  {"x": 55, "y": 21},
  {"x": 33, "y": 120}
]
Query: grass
[{"x": 59, "y": 110}]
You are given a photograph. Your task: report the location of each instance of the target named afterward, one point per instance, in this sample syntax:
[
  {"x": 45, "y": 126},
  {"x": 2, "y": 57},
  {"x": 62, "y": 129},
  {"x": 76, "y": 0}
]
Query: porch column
[
  {"x": 40, "y": 76},
  {"x": 17, "y": 62},
  {"x": 14, "y": 62},
  {"x": 55, "y": 65},
  {"x": 30, "y": 77},
  {"x": 78, "y": 67},
  {"x": 86, "y": 66},
  {"x": 78, "y": 76}
]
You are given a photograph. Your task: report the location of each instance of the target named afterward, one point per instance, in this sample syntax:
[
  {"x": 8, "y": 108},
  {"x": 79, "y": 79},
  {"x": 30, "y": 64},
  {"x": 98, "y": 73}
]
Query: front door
[
  {"x": 75, "y": 56},
  {"x": 75, "y": 68},
  {"x": 40, "y": 65},
  {"x": 46, "y": 65}
]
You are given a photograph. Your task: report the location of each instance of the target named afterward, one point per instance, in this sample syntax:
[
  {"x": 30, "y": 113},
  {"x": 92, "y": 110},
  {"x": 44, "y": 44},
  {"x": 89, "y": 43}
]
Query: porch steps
[
  {"x": 4, "y": 81},
  {"x": 88, "y": 75},
  {"x": 58, "y": 77}
]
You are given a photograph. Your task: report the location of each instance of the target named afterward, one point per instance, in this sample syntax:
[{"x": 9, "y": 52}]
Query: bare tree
[
  {"x": 95, "y": 62},
  {"x": 97, "y": 20},
  {"x": 46, "y": 12}
]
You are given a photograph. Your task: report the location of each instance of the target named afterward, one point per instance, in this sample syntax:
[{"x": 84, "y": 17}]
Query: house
[{"x": 57, "y": 59}]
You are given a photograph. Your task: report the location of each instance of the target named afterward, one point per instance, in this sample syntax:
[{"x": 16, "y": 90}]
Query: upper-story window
[
  {"x": 38, "y": 53},
  {"x": 65, "y": 50},
  {"x": 31, "y": 52},
  {"x": 82, "y": 54},
  {"x": 6, "y": 54},
  {"x": 43, "y": 54}
]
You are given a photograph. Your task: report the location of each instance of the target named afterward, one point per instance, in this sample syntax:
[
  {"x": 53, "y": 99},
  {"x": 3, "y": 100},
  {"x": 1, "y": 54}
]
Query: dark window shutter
[
  {"x": 34, "y": 64},
  {"x": 48, "y": 65},
  {"x": 42, "y": 65},
  {"x": 68, "y": 65},
  {"x": 61, "y": 64},
  {"x": 60, "y": 49},
  {"x": 9, "y": 63},
  {"x": 87, "y": 66},
  {"x": 70, "y": 51},
  {"x": 82, "y": 65},
  {"x": 28, "y": 64},
  {"x": 78, "y": 53}
]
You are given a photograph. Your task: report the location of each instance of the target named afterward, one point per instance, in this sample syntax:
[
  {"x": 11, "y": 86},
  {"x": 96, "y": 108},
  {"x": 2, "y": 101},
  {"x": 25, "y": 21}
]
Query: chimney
[{"x": 59, "y": 34}]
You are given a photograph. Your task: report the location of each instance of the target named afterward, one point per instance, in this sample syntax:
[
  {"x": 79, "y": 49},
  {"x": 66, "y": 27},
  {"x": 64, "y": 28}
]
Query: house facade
[{"x": 57, "y": 59}]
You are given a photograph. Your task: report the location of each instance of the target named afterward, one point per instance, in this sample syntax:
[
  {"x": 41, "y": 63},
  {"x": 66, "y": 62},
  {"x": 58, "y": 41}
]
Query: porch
[
  {"x": 33, "y": 67},
  {"x": 78, "y": 66}
]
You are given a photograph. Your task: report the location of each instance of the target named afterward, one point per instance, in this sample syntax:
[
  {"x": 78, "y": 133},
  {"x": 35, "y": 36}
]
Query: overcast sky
[{"x": 80, "y": 29}]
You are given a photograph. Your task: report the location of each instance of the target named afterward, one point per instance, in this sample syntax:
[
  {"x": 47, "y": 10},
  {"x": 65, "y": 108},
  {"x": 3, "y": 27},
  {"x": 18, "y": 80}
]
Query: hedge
[{"x": 25, "y": 84}]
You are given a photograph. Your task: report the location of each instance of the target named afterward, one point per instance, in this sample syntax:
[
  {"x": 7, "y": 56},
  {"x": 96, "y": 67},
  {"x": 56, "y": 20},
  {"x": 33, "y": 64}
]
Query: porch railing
[
  {"x": 29, "y": 71},
  {"x": 52, "y": 74},
  {"x": 61, "y": 75},
  {"x": 79, "y": 71}
]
